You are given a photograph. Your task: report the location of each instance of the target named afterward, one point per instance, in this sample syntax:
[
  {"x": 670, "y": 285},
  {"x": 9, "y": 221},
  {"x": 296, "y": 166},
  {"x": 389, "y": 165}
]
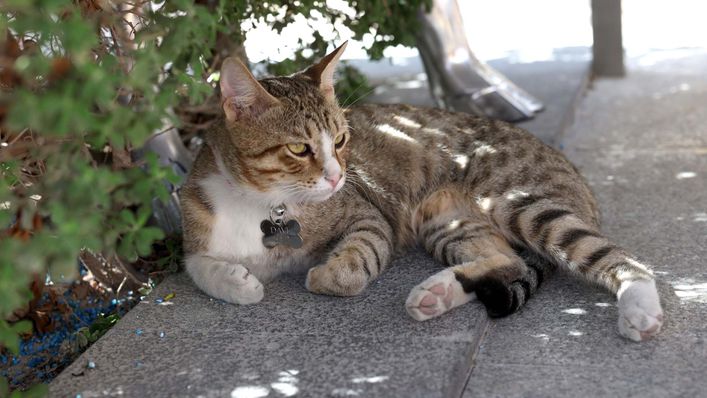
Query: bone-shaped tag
[{"x": 279, "y": 233}]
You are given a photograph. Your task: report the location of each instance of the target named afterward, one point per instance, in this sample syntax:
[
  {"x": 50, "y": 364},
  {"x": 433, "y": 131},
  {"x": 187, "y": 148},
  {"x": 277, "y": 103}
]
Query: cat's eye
[
  {"x": 340, "y": 140},
  {"x": 298, "y": 149}
]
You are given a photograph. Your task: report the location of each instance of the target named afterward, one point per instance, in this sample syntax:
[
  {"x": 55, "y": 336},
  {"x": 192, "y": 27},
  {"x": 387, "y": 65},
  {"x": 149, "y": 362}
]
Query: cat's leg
[
  {"x": 482, "y": 263},
  {"x": 578, "y": 246},
  {"x": 223, "y": 279},
  {"x": 362, "y": 253}
]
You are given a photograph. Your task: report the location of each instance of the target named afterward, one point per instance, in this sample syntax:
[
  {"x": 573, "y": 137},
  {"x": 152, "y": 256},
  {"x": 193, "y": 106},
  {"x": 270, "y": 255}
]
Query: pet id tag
[{"x": 278, "y": 232}]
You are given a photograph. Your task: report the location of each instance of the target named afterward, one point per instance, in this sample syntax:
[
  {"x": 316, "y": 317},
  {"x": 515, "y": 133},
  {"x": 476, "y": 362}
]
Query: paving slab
[
  {"x": 292, "y": 342},
  {"x": 646, "y": 159}
]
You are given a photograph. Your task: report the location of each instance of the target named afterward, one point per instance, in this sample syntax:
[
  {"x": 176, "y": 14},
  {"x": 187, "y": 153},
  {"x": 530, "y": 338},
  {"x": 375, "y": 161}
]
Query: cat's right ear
[{"x": 241, "y": 94}]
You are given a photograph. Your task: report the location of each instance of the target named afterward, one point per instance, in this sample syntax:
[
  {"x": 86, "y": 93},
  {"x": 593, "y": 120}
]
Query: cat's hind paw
[
  {"x": 640, "y": 314},
  {"x": 436, "y": 295}
]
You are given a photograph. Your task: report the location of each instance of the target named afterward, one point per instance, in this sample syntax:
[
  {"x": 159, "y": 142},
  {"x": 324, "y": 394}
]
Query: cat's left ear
[{"x": 323, "y": 72}]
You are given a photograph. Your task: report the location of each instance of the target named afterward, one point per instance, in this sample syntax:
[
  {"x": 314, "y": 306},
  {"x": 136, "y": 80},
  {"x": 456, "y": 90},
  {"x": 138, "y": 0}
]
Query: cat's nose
[{"x": 333, "y": 180}]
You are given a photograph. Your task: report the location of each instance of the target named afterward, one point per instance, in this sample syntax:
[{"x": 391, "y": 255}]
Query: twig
[{"x": 18, "y": 137}]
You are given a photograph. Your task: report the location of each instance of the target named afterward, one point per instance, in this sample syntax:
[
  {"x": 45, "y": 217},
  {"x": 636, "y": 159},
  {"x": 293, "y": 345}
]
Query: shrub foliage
[{"x": 84, "y": 82}]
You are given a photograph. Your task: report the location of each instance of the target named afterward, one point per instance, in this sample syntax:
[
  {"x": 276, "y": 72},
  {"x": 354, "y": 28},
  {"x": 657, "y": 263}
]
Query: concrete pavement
[{"x": 641, "y": 142}]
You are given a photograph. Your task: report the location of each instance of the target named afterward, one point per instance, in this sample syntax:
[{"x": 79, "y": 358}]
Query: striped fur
[{"x": 492, "y": 203}]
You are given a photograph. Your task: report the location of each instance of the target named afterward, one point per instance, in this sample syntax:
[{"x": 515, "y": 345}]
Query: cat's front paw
[
  {"x": 245, "y": 287},
  {"x": 640, "y": 314},
  {"x": 336, "y": 279}
]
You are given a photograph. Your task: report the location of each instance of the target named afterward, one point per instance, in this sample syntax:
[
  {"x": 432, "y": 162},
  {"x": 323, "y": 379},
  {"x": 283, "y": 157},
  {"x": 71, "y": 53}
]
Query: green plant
[
  {"x": 88, "y": 335},
  {"x": 83, "y": 82}
]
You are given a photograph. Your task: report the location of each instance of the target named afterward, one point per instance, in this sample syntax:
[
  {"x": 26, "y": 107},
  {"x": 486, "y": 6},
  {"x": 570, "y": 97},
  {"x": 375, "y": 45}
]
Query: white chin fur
[{"x": 321, "y": 192}]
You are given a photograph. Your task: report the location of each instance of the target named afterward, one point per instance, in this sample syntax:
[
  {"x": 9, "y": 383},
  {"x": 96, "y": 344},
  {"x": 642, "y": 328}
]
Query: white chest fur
[{"x": 236, "y": 230}]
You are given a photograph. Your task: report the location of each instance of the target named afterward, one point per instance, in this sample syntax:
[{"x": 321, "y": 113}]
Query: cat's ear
[
  {"x": 323, "y": 72},
  {"x": 241, "y": 94}
]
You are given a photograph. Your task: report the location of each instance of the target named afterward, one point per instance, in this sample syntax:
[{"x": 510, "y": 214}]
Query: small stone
[
  {"x": 158, "y": 301},
  {"x": 138, "y": 332},
  {"x": 162, "y": 334},
  {"x": 91, "y": 365}
]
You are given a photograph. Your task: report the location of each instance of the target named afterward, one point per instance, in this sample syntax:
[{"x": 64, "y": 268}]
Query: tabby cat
[{"x": 358, "y": 185}]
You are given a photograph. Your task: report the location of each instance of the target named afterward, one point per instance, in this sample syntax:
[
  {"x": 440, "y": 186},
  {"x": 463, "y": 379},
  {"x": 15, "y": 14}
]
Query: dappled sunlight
[
  {"x": 286, "y": 385},
  {"x": 433, "y": 130},
  {"x": 462, "y": 160},
  {"x": 250, "y": 392},
  {"x": 699, "y": 217},
  {"x": 574, "y": 311},
  {"x": 484, "y": 204},
  {"x": 542, "y": 336},
  {"x": 407, "y": 122},
  {"x": 483, "y": 149},
  {"x": 685, "y": 174},
  {"x": 393, "y": 132},
  {"x": 690, "y": 291},
  {"x": 454, "y": 224},
  {"x": 372, "y": 379},
  {"x": 353, "y": 392},
  {"x": 346, "y": 392},
  {"x": 515, "y": 194}
]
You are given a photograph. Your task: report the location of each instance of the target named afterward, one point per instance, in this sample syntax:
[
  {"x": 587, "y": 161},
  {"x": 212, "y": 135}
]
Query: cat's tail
[{"x": 558, "y": 234}]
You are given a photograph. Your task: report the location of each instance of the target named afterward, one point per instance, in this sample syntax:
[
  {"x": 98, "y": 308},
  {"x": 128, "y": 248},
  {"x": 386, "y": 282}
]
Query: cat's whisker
[
  {"x": 349, "y": 96},
  {"x": 364, "y": 95}
]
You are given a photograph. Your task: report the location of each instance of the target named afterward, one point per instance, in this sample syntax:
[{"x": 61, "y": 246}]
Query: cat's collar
[{"x": 278, "y": 231}]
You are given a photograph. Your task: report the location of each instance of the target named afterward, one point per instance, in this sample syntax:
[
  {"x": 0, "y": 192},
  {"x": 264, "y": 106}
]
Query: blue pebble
[
  {"x": 159, "y": 301},
  {"x": 91, "y": 365},
  {"x": 36, "y": 361},
  {"x": 138, "y": 332}
]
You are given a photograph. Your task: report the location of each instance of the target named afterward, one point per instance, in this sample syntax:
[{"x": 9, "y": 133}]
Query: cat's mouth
[{"x": 327, "y": 193}]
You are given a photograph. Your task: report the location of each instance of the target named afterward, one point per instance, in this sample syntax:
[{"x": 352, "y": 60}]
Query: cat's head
[{"x": 285, "y": 138}]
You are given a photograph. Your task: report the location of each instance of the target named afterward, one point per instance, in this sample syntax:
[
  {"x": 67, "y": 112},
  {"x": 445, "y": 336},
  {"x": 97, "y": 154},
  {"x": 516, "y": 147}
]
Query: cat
[{"x": 485, "y": 198}]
